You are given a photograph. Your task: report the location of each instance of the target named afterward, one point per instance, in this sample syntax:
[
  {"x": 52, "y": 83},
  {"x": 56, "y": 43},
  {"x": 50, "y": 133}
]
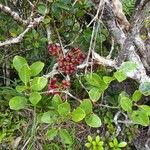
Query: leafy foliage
[{"x": 59, "y": 111}]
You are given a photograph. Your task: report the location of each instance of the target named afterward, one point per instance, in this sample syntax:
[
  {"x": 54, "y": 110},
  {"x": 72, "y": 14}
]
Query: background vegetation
[{"x": 44, "y": 107}]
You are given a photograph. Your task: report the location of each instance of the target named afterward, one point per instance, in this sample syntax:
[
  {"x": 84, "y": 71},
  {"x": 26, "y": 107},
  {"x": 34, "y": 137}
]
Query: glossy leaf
[
  {"x": 94, "y": 79},
  {"x": 42, "y": 8},
  {"x": 49, "y": 117},
  {"x": 120, "y": 76},
  {"x": 136, "y": 96},
  {"x": 51, "y": 133},
  {"x": 34, "y": 98},
  {"x": 95, "y": 94},
  {"x": 93, "y": 121},
  {"x": 64, "y": 109},
  {"x": 38, "y": 83},
  {"x": 78, "y": 114},
  {"x": 17, "y": 103},
  {"x": 126, "y": 104},
  {"x": 65, "y": 136},
  {"x": 56, "y": 101},
  {"x": 145, "y": 88},
  {"x": 20, "y": 89},
  {"x": 86, "y": 105},
  {"x": 25, "y": 74},
  {"x": 140, "y": 117},
  {"x": 122, "y": 144},
  {"x": 145, "y": 108},
  {"x": 36, "y": 68},
  {"x": 108, "y": 79},
  {"x": 18, "y": 62},
  {"x": 128, "y": 66}
]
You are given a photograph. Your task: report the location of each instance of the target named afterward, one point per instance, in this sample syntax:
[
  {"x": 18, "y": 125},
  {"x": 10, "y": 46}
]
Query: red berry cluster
[
  {"x": 55, "y": 87},
  {"x": 54, "y": 50},
  {"x": 69, "y": 63}
]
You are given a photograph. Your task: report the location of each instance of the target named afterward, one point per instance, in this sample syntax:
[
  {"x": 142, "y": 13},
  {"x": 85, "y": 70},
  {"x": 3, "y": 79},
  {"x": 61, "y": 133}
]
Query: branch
[
  {"x": 127, "y": 42},
  {"x": 13, "y": 14},
  {"x": 19, "y": 38}
]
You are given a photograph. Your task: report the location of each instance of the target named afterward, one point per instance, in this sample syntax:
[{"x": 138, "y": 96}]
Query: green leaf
[
  {"x": 97, "y": 139},
  {"x": 122, "y": 144},
  {"x": 128, "y": 67},
  {"x": 18, "y": 62},
  {"x": 95, "y": 94},
  {"x": 126, "y": 104},
  {"x": 42, "y": 8},
  {"x": 136, "y": 96},
  {"x": 17, "y": 102},
  {"x": 78, "y": 114},
  {"x": 86, "y": 105},
  {"x": 88, "y": 145},
  {"x": 49, "y": 117},
  {"x": 115, "y": 141},
  {"x": 36, "y": 68},
  {"x": 90, "y": 139},
  {"x": 93, "y": 121},
  {"x": 20, "y": 89},
  {"x": 64, "y": 109},
  {"x": 51, "y": 133},
  {"x": 120, "y": 76},
  {"x": 108, "y": 79},
  {"x": 47, "y": 20},
  {"x": 145, "y": 88},
  {"x": 25, "y": 74},
  {"x": 65, "y": 136},
  {"x": 94, "y": 79},
  {"x": 34, "y": 98},
  {"x": 38, "y": 83},
  {"x": 13, "y": 32},
  {"x": 140, "y": 117},
  {"x": 145, "y": 108},
  {"x": 111, "y": 144},
  {"x": 56, "y": 101}
]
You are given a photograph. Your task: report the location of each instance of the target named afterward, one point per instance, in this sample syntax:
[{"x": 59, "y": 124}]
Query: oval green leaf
[
  {"x": 145, "y": 108},
  {"x": 78, "y": 114},
  {"x": 65, "y": 136},
  {"x": 51, "y": 133},
  {"x": 17, "y": 103},
  {"x": 145, "y": 88},
  {"x": 25, "y": 74},
  {"x": 34, "y": 98},
  {"x": 120, "y": 76},
  {"x": 136, "y": 96},
  {"x": 93, "y": 121},
  {"x": 38, "y": 83},
  {"x": 20, "y": 89},
  {"x": 95, "y": 94},
  {"x": 94, "y": 79},
  {"x": 56, "y": 101},
  {"x": 122, "y": 144},
  {"x": 126, "y": 104},
  {"x": 49, "y": 117},
  {"x": 18, "y": 62},
  {"x": 64, "y": 109},
  {"x": 86, "y": 105},
  {"x": 36, "y": 68},
  {"x": 140, "y": 117}
]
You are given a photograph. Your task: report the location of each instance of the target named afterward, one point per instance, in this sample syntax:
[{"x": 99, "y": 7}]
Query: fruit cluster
[
  {"x": 55, "y": 87},
  {"x": 72, "y": 59},
  {"x": 54, "y": 50},
  {"x": 69, "y": 63}
]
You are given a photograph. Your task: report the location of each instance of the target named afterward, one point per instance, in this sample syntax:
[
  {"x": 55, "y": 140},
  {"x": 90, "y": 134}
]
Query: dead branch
[
  {"x": 13, "y": 14},
  {"x": 19, "y": 38}
]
